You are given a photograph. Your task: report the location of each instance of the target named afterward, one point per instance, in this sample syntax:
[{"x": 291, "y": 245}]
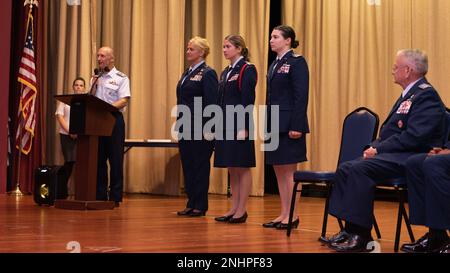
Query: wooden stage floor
[{"x": 149, "y": 224}]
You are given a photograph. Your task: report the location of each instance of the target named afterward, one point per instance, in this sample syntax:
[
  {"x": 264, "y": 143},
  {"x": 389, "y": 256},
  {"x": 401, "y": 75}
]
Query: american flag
[{"x": 27, "y": 78}]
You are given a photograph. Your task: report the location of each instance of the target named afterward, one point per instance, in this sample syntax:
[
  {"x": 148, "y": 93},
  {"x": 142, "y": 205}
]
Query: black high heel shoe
[
  {"x": 285, "y": 226},
  {"x": 196, "y": 213},
  {"x": 239, "y": 220},
  {"x": 271, "y": 224},
  {"x": 224, "y": 218},
  {"x": 185, "y": 212}
]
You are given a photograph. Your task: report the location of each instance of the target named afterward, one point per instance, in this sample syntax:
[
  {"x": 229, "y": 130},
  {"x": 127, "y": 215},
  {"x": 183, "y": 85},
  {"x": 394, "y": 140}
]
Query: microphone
[{"x": 98, "y": 72}]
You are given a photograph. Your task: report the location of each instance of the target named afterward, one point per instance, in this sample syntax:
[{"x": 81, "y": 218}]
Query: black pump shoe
[
  {"x": 224, "y": 218},
  {"x": 185, "y": 212},
  {"x": 239, "y": 220},
  {"x": 271, "y": 224},
  {"x": 196, "y": 213},
  {"x": 285, "y": 226}
]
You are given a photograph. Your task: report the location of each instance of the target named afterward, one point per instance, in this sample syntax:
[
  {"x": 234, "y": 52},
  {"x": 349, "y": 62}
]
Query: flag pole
[{"x": 17, "y": 191}]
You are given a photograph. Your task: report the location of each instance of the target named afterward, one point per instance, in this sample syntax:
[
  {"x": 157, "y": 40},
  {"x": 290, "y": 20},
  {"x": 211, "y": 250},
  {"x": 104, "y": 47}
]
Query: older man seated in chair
[
  {"x": 415, "y": 125},
  {"x": 429, "y": 199}
]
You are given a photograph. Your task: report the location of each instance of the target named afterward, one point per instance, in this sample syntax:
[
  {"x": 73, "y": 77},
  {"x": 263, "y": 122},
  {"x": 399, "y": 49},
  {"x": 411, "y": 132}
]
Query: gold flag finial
[{"x": 31, "y": 3}]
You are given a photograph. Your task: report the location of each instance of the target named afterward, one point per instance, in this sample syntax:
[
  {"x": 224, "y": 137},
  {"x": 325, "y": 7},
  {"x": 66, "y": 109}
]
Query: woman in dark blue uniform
[
  {"x": 234, "y": 147},
  {"x": 199, "y": 82},
  {"x": 287, "y": 88}
]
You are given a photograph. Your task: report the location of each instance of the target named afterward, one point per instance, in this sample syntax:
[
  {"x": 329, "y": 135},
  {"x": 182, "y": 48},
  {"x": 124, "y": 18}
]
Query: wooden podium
[{"x": 90, "y": 117}]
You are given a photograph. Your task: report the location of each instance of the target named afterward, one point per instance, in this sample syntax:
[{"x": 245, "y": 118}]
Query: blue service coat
[
  {"x": 415, "y": 124},
  {"x": 231, "y": 94},
  {"x": 200, "y": 83},
  {"x": 288, "y": 87}
]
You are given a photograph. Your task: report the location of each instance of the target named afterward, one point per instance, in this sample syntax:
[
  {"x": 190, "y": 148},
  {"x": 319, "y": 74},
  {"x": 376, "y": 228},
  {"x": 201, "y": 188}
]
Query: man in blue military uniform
[
  {"x": 415, "y": 124},
  {"x": 113, "y": 87},
  {"x": 429, "y": 199}
]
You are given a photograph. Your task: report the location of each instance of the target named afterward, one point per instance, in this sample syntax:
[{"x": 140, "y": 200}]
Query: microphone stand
[{"x": 94, "y": 84}]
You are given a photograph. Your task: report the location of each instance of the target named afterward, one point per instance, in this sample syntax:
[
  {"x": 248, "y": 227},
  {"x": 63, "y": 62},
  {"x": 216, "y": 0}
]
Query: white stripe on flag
[
  {"x": 28, "y": 63},
  {"x": 29, "y": 52},
  {"x": 28, "y": 75}
]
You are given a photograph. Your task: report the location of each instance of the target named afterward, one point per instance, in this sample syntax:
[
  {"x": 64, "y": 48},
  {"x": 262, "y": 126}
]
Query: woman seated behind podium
[{"x": 68, "y": 141}]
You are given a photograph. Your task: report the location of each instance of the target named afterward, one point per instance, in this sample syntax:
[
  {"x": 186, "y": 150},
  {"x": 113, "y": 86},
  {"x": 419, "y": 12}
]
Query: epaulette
[
  {"x": 120, "y": 74},
  {"x": 424, "y": 86}
]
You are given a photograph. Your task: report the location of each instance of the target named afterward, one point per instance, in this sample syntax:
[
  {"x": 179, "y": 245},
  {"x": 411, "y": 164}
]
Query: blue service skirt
[
  {"x": 234, "y": 153},
  {"x": 290, "y": 151}
]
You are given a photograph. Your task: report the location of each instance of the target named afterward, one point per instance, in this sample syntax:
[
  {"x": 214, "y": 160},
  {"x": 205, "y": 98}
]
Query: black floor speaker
[{"x": 49, "y": 185}]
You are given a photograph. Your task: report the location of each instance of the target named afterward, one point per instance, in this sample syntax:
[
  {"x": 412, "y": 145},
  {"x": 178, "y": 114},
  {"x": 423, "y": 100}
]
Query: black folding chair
[{"x": 359, "y": 129}]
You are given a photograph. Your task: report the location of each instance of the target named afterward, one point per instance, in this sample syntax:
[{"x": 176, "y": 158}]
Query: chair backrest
[
  {"x": 447, "y": 113},
  {"x": 359, "y": 130}
]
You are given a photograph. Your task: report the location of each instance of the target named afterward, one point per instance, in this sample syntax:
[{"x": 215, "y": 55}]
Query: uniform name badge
[
  {"x": 404, "y": 107},
  {"x": 284, "y": 69}
]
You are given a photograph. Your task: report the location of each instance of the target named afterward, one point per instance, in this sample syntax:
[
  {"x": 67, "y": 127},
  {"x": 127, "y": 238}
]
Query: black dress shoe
[
  {"x": 196, "y": 213},
  {"x": 354, "y": 243},
  {"x": 184, "y": 212},
  {"x": 436, "y": 246},
  {"x": 116, "y": 204},
  {"x": 224, "y": 218},
  {"x": 426, "y": 244},
  {"x": 445, "y": 249},
  {"x": 285, "y": 226},
  {"x": 420, "y": 246},
  {"x": 239, "y": 220},
  {"x": 336, "y": 238},
  {"x": 271, "y": 224}
]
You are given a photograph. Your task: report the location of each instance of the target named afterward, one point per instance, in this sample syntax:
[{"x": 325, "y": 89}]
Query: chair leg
[
  {"x": 407, "y": 223},
  {"x": 375, "y": 226},
  {"x": 228, "y": 185},
  {"x": 291, "y": 210},
  {"x": 325, "y": 212},
  {"x": 399, "y": 220}
]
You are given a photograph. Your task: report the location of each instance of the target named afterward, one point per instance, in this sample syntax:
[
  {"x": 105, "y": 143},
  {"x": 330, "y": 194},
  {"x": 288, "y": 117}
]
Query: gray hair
[{"x": 417, "y": 58}]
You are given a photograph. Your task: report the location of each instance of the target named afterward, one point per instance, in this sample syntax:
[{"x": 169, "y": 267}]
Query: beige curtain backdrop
[
  {"x": 214, "y": 20},
  {"x": 431, "y": 32},
  {"x": 69, "y": 54},
  {"x": 157, "y": 56},
  {"x": 350, "y": 47}
]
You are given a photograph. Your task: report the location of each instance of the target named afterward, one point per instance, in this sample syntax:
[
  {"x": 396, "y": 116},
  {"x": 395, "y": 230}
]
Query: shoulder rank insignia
[
  {"x": 424, "y": 86},
  {"x": 120, "y": 74}
]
